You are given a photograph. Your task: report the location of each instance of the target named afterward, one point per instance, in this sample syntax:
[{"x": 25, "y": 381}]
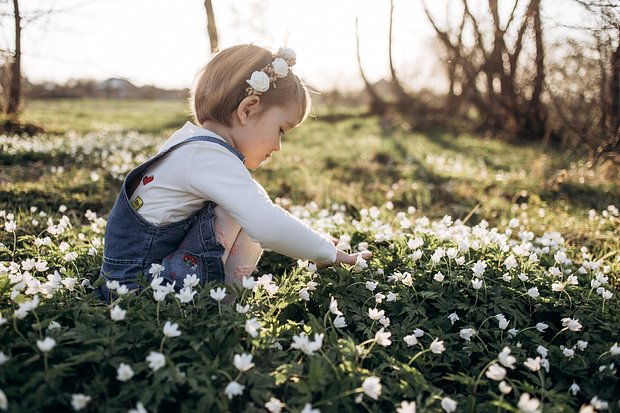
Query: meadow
[{"x": 492, "y": 287}]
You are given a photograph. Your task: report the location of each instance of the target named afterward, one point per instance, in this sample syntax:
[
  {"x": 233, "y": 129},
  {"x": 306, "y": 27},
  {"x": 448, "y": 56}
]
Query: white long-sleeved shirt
[{"x": 178, "y": 185}]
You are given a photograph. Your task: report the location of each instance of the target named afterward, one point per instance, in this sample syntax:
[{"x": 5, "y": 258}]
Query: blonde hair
[{"x": 221, "y": 85}]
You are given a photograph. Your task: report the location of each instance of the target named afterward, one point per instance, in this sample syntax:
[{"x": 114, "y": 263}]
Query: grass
[{"x": 354, "y": 161}]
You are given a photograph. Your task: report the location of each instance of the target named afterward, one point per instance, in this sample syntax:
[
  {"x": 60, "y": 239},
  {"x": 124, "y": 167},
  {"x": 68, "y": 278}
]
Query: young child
[{"x": 194, "y": 207}]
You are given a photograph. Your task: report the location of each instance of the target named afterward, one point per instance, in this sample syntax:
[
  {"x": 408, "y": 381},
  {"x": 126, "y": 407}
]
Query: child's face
[{"x": 262, "y": 134}]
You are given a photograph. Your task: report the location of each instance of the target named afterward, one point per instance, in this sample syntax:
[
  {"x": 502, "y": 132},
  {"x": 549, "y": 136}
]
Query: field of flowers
[{"x": 449, "y": 314}]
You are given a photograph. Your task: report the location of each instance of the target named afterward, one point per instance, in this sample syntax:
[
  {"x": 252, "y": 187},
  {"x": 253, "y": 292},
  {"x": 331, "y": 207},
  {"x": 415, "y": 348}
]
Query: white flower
[
  {"x": 340, "y": 322},
  {"x": 467, "y": 333},
  {"x": 286, "y": 53},
  {"x": 117, "y": 313},
  {"x": 557, "y": 287},
  {"x": 533, "y": 364},
  {"x": 506, "y": 359},
  {"x": 252, "y": 326},
  {"x": 274, "y": 405},
  {"x": 607, "y": 294},
  {"x": 139, "y": 409},
  {"x": 3, "y": 358},
  {"x": 572, "y": 324},
  {"x": 476, "y": 283},
  {"x": 112, "y": 285},
  {"x": 582, "y": 345},
  {"x": 333, "y": 306},
  {"x": 304, "y": 294},
  {"x": 185, "y": 295},
  {"x": 242, "y": 309},
  {"x": 375, "y": 314},
  {"x": 233, "y": 388},
  {"x": 507, "y": 277},
  {"x": 69, "y": 283},
  {"x": 4, "y": 402},
  {"x": 502, "y": 321},
  {"x": 523, "y": 277},
  {"x": 448, "y": 404},
  {"x": 574, "y": 388},
  {"x": 542, "y": 351},
  {"x": 504, "y": 387},
  {"x": 615, "y": 349},
  {"x": 479, "y": 267},
  {"x": 544, "y": 363},
  {"x": 248, "y": 282},
  {"x": 383, "y": 338},
  {"x": 391, "y": 297},
  {"x": 10, "y": 226},
  {"x": 528, "y": 404},
  {"x": 308, "y": 409},
  {"x": 406, "y": 407},
  {"x": 302, "y": 342},
  {"x": 542, "y": 327},
  {"x": 437, "y": 347},
  {"x": 379, "y": 298},
  {"x": 46, "y": 345},
  {"x": 453, "y": 318},
  {"x": 259, "y": 81},
  {"x": 156, "y": 360},
  {"x": 156, "y": 270},
  {"x": 533, "y": 292},
  {"x": 124, "y": 372},
  {"x": 510, "y": 262},
  {"x": 411, "y": 340},
  {"x": 439, "y": 277},
  {"x": 496, "y": 372},
  {"x": 371, "y": 285},
  {"x": 218, "y": 294},
  {"x": 599, "y": 404},
  {"x": 191, "y": 281},
  {"x": 160, "y": 294},
  {"x": 171, "y": 330},
  {"x": 568, "y": 352},
  {"x": 79, "y": 401},
  {"x": 372, "y": 387},
  {"x": 418, "y": 332},
  {"x": 243, "y": 362},
  {"x": 360, "y": 264},
  {"x": 122, "y": 290},
  {"x": 280, "y": 67},
  {"x": 560, "y": 257}
]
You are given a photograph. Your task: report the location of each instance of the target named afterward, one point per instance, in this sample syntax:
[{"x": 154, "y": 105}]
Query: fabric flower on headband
[{"x": 261, "y": 80}]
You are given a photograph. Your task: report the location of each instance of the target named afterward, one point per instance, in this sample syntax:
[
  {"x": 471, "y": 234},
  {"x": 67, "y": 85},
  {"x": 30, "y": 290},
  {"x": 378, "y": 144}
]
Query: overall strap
[{"x": 132, "y": 181}]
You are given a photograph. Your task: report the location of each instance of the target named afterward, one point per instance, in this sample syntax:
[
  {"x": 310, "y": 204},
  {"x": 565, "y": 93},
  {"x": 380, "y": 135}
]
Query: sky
[{"x": 165, "y": 42}]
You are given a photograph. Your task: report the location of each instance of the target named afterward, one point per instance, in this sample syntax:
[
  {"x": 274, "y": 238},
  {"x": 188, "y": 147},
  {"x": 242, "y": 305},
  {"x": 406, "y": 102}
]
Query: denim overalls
[{"x": 185, "y": 247}]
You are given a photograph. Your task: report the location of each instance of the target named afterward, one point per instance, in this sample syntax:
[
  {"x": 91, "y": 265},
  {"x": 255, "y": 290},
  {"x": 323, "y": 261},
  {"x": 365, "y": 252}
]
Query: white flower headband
[{"x": 261, "y": 80}]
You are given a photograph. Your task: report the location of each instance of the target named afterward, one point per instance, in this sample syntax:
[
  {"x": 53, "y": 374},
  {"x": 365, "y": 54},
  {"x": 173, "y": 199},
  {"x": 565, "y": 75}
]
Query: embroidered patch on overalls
[
  {"x": 147, "y": 179},
  {"x": 137, "y": 203}
]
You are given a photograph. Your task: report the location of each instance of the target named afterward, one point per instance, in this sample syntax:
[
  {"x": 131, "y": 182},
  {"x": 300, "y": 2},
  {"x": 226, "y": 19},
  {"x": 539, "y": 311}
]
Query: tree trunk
[
  {"x": 405, "y": 102},
  {"x": 537, "y": 116},
  {"x": 211, "y": 27},
  {"x": 614, "y": 90},
  {"x": 15, "y": 84}
]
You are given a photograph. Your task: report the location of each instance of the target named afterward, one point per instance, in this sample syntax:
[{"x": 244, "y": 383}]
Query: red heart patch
[{"x": 147, "y": 179}]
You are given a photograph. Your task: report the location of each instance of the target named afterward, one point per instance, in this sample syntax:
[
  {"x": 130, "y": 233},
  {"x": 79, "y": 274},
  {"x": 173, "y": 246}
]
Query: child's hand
[{"x": 345, "y": 258}]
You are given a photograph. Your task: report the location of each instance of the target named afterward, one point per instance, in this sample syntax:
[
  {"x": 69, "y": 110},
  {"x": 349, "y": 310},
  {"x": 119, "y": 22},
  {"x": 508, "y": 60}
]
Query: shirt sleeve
[{"x": 218, "y": 175}]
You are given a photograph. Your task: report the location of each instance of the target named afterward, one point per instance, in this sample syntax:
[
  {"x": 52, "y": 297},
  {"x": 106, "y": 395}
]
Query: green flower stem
[
  {"x": 14, "y": 244},
  {"x": 481, "y": 373},
  {"x": 542, "y": 386},
  {"x": 559, "y": 332},
  {"x": 418, "y": 354},
  {"x": 161, "y": 345},
  {"x": 17, "y": 330},
  {"x": 36, "y": 316},
  {"x": 367, "y": 352},
  {"x": 157, "y": 311},
  {"x": 339, "y": 396},
  {"x": 332, "y": 365}
]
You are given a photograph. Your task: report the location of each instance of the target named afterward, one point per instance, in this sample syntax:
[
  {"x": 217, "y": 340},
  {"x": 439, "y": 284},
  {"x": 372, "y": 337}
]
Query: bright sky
[{"x": 164, "y": 42}]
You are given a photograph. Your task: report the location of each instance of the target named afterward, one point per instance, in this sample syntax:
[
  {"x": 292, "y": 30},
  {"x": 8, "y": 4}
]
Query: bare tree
[
  {"x": 14, "y": 92},
  {"x": 211, "y": 27},
  {"x": 490, "y": 68}
]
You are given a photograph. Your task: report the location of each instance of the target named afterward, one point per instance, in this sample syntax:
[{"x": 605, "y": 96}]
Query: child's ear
[{"x": 247, "y": 108}]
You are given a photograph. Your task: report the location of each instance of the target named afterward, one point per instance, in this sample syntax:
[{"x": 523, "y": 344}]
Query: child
[{"x": 194, "y": 207}]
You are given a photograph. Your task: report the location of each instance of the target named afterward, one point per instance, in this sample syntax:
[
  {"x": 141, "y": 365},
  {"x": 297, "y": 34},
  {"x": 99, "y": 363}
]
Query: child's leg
[{"x": 241, "y": 254}]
